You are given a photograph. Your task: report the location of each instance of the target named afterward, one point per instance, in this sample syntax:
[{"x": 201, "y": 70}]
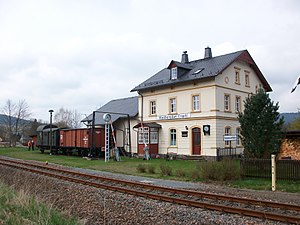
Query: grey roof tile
[
  {"x": 124, "y": 105},
  {"x": 198, "y": 69}
]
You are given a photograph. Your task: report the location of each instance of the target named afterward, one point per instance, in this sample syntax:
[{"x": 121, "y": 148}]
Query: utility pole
[{"x": 51, "y": 111}]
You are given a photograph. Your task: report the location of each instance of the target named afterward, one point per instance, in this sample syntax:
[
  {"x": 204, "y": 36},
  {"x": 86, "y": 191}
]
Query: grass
[
  {"x": 263, "y": 184},
  {"x": 126, "y": 166},
  {"x": 182, "y": 170},
  {"x": 19, "y": 208}
]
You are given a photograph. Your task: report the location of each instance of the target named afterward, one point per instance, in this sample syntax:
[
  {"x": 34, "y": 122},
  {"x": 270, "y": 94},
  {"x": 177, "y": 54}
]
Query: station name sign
[
  {"x": 229, "y": 137},
  {"x": 172, "y": 117}
]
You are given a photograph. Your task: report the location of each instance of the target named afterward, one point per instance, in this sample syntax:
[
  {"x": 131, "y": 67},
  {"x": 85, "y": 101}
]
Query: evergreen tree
[{"x": 261, "y": 126}]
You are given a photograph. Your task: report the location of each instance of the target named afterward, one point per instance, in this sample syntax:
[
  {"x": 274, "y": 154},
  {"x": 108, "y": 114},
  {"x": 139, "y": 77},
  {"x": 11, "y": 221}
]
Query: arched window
[
  {"x": 227, "y": 132},
  {"x": 238, "y": 136},
  {"x": 173, "y": 137}
]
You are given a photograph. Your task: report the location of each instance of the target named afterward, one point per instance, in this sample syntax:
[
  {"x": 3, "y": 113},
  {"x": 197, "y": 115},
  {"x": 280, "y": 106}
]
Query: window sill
[
  {"x": 173, "y": 146},
  {"x": 199, "y": 111}
]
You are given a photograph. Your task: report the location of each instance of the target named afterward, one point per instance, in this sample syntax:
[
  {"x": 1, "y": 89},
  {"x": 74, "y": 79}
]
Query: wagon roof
[{"x": 45, "y": 126}]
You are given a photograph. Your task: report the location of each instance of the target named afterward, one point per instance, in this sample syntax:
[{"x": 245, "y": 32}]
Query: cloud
[{"x": 80, "y": 55}]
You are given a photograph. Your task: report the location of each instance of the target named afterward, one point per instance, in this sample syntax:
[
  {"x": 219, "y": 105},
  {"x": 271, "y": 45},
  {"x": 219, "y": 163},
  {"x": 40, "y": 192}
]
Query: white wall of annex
[{"x": 122, "y": 138}]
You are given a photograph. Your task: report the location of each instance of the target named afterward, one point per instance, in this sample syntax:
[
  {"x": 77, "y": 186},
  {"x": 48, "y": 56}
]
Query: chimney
[
  {"x": 207, "y": 54},
  {"x": 184, "y": 57}
]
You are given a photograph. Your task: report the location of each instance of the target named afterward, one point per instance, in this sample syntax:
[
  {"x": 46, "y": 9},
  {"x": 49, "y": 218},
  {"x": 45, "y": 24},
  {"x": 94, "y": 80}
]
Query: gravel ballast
[{"x": 96, "y": 206}]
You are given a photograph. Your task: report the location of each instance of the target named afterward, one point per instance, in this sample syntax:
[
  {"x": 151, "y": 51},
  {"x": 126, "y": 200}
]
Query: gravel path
[{"x": 94, "y": 206}]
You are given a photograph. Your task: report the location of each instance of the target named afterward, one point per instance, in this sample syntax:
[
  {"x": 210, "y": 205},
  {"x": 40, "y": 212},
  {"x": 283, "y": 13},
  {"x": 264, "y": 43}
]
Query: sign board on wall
[
  {"x": 184, "y": 133},
  {"x": 175, "y": 116}
]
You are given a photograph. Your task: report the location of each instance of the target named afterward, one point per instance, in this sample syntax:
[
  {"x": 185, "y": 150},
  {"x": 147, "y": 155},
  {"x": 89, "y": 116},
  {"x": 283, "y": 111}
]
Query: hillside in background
[
  {"x": 4, "y": 118},
  {"x": 289, "y": 117}
]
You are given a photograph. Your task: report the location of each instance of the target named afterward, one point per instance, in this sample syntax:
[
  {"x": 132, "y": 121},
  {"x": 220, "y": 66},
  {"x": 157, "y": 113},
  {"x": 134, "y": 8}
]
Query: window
[
  {"x": 237, "y": 103},
  {"x": 152, "y": 107},
  {"x": 247, "y": 81},
  {"x": 227, "y": 132},
  {"x": 226, "y": 102},
  {"x": 173, "y": 137},
  {"x": 238, "y": 136},
  {"x": 144, "y": 135},
  {"x": 153, "y": 135},
  {"x": 237, "y": 77},
  {"x": 196, "y": 102},
  {"x": 174, "y": 73},
  {"x": 172, "y": 105}
]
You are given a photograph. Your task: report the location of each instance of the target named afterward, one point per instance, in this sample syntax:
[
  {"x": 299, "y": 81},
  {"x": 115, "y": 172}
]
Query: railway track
[{"x": 229, "y": 204}]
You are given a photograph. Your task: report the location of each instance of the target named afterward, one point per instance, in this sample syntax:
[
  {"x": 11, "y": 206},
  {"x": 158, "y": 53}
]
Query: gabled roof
[
  {"x": 124, "y": 105},
  {"x": 200, "y": 69},
  {"x": 180, "y": 65}
]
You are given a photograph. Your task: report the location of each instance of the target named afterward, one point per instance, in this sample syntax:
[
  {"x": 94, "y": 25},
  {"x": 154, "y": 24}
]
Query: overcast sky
[{"x": 81, "y": 54}]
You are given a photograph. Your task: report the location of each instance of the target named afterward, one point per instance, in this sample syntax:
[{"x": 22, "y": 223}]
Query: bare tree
[
  {"x": 15, "y": 119},
  {"x": 8, "y": 110},
  {"x": 67, "y": 118},
  {"x": 76, "y": 119}
]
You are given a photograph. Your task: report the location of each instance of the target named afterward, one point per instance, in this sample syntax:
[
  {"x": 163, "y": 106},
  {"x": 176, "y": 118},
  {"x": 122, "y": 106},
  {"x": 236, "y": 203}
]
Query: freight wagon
[{"x": 83, "y": 141}]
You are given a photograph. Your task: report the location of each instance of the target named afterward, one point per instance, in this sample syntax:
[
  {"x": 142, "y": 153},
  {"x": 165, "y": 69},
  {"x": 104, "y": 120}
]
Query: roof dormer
[{"x": 178, "y": 69}]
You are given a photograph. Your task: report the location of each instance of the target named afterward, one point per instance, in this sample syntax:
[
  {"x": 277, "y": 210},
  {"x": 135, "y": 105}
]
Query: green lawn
[
  {"x": 129, "y": 166},
  {"x": 126, "y": 166}
]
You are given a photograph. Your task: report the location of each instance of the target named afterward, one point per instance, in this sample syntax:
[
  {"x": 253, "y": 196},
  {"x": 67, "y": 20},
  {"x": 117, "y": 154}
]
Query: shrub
[
  {"x": 220, "y": 171},
  {"x": 196, "y": 175},
  {"x": 231, "y": 169},
  {"x": 151, "y": 169},
  {"x": 165, "y": 170},
  {"x": 180, "y": 173},
  {"x": 141, "y": 168}
]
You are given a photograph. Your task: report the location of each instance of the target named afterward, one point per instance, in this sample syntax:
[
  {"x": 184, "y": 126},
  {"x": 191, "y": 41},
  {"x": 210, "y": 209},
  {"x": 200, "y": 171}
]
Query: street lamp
[{"x": 51, "y": 111}]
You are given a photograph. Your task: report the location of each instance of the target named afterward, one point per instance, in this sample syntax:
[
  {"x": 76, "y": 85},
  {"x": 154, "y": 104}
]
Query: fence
[
  {"x": 261, "y": 168},
  {"x": 228, "y": 153}
]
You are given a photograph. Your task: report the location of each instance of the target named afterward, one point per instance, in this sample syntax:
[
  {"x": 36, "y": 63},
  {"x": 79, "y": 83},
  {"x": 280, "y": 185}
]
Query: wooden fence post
[{"x": 273, "y": 163}]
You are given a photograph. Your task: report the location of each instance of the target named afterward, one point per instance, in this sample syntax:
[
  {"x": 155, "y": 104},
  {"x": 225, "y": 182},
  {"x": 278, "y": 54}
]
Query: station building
[{"x": 188, "y": 107}]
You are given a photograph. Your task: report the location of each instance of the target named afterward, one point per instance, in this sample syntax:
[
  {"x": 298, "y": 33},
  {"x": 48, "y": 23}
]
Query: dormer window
[{"x": 174, "y": 73}]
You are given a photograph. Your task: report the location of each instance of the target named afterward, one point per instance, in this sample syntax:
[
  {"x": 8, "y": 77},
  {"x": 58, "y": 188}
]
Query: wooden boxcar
[{"x": 82, "y": 141}]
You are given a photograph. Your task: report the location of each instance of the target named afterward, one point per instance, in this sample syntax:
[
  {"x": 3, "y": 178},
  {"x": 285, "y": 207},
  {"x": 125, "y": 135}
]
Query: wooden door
[{"x": 196, "y": 140}]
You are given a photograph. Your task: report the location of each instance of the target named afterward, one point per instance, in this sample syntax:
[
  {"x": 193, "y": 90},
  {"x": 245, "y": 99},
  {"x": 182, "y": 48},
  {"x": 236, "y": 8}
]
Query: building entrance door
[{"x": 196, "y": 140}]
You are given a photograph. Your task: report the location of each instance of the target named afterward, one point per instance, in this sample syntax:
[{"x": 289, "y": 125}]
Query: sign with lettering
[
  {"x": 175, "y": 116},
  {"x": 229, "y": 137},
  {"x": 184, "y": 133}
]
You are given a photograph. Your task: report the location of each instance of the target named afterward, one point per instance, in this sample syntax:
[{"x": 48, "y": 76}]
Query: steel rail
[
  {"x": 173, "y": 190},
  {"x": 210, "y": 206}
]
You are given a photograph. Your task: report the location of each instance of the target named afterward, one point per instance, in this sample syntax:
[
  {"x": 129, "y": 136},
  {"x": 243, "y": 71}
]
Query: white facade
[{"x": 213, "y": 101}]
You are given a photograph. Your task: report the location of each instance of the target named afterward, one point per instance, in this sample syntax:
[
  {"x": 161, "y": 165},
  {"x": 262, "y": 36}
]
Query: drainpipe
[
  {"x": 142, "y": 118},
  {"x": 142, "y": 112}
]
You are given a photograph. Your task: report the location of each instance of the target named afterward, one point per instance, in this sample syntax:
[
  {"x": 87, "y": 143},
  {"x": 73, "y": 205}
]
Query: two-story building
[{"x": 188, "y": 107}]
